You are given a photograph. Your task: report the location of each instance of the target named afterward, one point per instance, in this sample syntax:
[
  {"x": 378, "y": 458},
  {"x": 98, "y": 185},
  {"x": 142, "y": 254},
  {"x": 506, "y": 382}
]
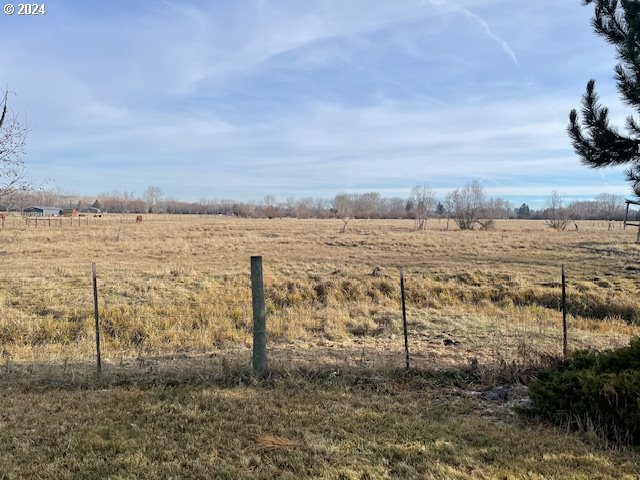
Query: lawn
[{"x": 285, "y": 430}]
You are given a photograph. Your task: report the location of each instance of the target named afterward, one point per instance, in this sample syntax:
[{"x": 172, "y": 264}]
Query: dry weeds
[
  {"x": 177, "y": 398},
  {"x": 180, "y": 284}
]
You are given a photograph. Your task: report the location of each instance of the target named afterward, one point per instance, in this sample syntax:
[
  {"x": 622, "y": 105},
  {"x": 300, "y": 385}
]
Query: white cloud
[{"x": 166, "y": 96}]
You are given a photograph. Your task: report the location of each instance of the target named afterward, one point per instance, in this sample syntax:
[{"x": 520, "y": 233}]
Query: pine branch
[
  {"x": 607, "y": 22},
  {"x": 600, "y": 145},
  {"x": 594, "y": 139},
  {"x": 633, "y": 126}
]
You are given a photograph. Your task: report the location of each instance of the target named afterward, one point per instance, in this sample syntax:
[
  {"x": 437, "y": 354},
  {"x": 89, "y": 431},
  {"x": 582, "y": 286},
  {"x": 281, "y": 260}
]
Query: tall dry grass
[{"x": 180, "y": 284}]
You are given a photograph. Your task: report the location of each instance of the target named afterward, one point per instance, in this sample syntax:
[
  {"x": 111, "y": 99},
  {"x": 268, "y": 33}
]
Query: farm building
[
  {"x": 42, "y": 211},
  {"x": 96, "y": 212}
]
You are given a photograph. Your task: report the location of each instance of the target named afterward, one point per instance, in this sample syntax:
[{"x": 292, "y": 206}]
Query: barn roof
[{"x": 43, "y": 209}]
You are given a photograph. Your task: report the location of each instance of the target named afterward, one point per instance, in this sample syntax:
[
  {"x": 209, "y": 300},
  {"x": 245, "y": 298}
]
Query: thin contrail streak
[{"x": 506, "y": 48}]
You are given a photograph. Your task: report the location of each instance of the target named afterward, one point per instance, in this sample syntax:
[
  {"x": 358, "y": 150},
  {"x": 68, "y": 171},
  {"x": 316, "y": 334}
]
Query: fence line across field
[
  {"x": 100, "y": 287},
  {"x": 260, "y": 319}
]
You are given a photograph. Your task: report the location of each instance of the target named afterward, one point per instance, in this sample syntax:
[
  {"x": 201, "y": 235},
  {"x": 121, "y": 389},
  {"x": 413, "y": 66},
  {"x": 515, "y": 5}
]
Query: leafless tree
[
  {"x": 467, "y": 206},
  {"x": 367, "y": 205},
  {"x": 393, "y": 207},
  {"x": 448, "y": 207},
  {"x": 153, "y": 196},
  {"x": 423, "y": 202},
  {"x": 13, "y": 137},
  {"x": 498, "y": 208},
  {"x": 555, "y": 214},
  {"x": 609, "y": 206},
  {"x": 341, "y": 206},
  {"x": 121, "y": 228},
  {"x": 304, "y": 207}
]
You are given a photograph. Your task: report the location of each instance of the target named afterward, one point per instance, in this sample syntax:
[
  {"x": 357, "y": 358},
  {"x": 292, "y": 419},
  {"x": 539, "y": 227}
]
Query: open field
[
  {"x": 180, "y": 284},
  {"x": 177, "y": 400}
]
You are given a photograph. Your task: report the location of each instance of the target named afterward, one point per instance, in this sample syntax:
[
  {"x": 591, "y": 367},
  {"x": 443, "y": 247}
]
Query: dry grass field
[
  {"x": 180, "y": 284},
  {"x": 175, "y": 306}
]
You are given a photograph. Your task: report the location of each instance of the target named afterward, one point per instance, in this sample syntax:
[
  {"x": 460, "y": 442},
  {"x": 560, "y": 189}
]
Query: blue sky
[{"x": 243, "y": 98}]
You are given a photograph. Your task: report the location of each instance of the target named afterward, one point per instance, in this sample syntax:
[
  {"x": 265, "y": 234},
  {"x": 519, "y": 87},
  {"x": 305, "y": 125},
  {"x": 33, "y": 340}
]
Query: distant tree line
[{"x": 468, "y": 207}]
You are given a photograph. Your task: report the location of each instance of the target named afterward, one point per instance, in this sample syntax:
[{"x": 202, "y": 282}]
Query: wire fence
[{"x": 333, "y": 318}]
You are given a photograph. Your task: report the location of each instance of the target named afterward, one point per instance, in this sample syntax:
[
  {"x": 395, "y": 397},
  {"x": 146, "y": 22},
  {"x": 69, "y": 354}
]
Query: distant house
[
  {"x": 96, "y": 212},
  {"x": 42, "y": 211}
]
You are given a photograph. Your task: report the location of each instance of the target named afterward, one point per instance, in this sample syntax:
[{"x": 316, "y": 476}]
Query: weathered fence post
[
  {"x": 97, "y": 317},
  {"x": 564, "y": 314},
  {"x": 259, "y": 318},
  {"x": 404, "y": 321}
]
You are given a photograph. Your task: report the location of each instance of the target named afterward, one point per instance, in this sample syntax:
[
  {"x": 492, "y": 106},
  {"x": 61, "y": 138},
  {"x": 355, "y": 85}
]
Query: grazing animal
[{"x": 139, "y": 219}]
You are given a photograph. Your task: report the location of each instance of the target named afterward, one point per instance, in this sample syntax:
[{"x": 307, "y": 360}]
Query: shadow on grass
[{"x": 228, "y": 371}]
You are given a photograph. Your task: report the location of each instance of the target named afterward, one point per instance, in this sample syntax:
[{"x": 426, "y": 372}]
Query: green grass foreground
[{"x": 285, "y": 431}]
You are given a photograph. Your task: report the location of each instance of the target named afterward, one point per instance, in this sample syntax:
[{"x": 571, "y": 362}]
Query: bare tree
[
  {"x": 498, "y": 208},
  {"x": 555, "y": 214},
  {"x": 393, "y": 207},
  {"x": 423, "y": 202},
  {"x": 304, "y": 207},
  {"x": 153, "y": 196},
  {"x": 121, "y": 228},
  {"x": 269, "y": 201},
  {"x": 466, "y": 206},
  {"x": 13, "y": 137},
  {"x": 609, "y": 206},
  {"x": 448, "y": 207},
  {"x": 342, "y": 208},
  {"x": 366, "y": 205}
]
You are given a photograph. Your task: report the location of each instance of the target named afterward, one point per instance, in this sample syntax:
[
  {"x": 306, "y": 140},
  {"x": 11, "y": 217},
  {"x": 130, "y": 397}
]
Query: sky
[{"x": 245, "y": 98}]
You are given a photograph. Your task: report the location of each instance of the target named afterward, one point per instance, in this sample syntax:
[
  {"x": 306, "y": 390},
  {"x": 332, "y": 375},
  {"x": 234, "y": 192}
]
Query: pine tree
[
  {"x": 524, "y": 211},
  {"x": 597, "y": 142}
]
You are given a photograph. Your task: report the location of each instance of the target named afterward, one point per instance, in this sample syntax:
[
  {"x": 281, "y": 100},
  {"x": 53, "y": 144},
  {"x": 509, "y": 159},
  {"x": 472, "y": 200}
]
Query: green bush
[{"x": 595, "y": 391}]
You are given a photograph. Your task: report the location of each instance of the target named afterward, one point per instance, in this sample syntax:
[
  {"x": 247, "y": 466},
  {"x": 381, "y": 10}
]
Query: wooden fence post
[
  {"x": 564, "y": 314},
  {"x": 97, "y": 317},
  {"x": 404, "y": 321},
  {"x": 626, "y": 217},
  {"x": 259, "y": 318}
]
